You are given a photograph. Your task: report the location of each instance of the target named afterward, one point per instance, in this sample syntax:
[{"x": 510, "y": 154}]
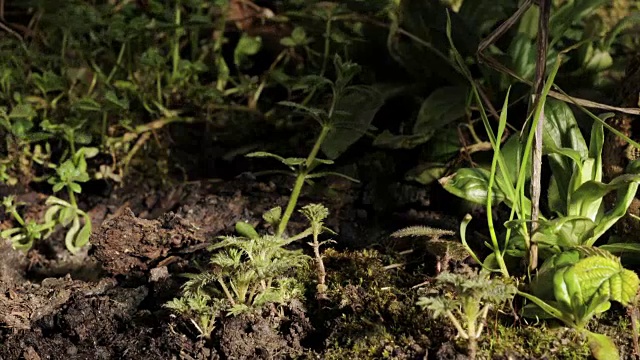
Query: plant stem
[
  {"x": 72, "y": 197},
  {"x": 293, "y": 200},
  {"x": 301, "y": 177},
  {"x": 176, "y": 42}
]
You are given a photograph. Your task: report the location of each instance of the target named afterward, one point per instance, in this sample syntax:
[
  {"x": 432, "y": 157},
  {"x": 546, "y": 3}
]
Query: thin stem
[
  {"x": 176, "y": 41},
  {"x": 72, "y": 197},
  {"x": 293, "y": 200},
  {"x": 226, "y": 291},
  {"x": 301, "y": 177},
  {"x": 118, "y": 62},
  {"x": 542, "y": 44}
]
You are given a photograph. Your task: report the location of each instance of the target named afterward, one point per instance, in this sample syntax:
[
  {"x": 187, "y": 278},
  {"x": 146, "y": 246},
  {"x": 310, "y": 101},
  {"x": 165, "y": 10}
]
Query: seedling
[
  {"x": 466, "y": 301},
  {"x": 316, "y": 214},
  {"x": 23, "y": 236}
]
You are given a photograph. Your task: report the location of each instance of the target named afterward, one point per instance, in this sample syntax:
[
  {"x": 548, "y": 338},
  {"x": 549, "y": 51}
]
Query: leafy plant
[
  {"x": 246, "y": 273},
  {"x": 303, "y": 168},
  {"x": 316, "y": 214},
  {"x": 465, "y": 301},
  {"x": 23, "y": 236},
  {"x": 576, "y": 285}
]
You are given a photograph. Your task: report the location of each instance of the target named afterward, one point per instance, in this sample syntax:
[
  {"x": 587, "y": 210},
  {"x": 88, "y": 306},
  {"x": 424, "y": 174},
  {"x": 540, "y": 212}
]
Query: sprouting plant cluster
[
  {"x": 87, "y": 89},
  {"x": 93, "y": 98},
  {"x": 252, "y": 270}
]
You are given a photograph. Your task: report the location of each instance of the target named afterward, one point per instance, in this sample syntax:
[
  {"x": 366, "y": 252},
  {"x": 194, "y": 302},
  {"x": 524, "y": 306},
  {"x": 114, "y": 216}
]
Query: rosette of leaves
[
  {"x": 246, "y": 273},
  {"x": 576, "y": 285}
]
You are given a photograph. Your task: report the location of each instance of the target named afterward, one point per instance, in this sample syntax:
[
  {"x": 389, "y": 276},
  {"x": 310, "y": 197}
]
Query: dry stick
[{"x": 536, "y": 161}]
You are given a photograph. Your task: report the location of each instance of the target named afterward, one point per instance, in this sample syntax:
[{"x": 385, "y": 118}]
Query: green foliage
[
  {"x": 466, "y": 301},
  {"x": 576, "y": 285},
  {"x": 23, "y": 236}
]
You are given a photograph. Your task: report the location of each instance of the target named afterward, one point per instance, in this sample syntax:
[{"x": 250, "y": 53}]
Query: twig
[{"x": 536, "y": 162}]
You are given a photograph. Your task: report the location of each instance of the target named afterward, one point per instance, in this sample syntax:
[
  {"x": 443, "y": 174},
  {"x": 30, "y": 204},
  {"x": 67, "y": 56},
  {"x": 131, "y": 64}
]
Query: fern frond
[{"x": 422, "y": 231}]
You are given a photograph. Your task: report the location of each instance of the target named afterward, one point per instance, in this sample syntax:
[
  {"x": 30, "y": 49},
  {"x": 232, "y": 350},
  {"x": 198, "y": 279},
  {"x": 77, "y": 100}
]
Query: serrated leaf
[{"x": 606, "y": 276}]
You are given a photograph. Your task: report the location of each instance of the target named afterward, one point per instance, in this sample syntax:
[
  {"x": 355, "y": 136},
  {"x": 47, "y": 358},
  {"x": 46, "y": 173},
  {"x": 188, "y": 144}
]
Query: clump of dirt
[
  {"x": 126, "y": 244},
  {"x": 72, "y": 319},
  {"x": 275, "y": 333}
]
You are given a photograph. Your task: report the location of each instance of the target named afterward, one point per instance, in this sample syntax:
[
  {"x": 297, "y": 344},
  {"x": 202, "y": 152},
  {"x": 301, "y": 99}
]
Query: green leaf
[
  {"x": 569, "y": 13},
  {"x": 522, "y": 51},
  {"x": 69, "y": 239},
  {"x": 592, "y": 192},
  {"x": 23, "y": 111},
  {"x": 441, "y": 107},
  {"x": 75, "y": 187},
  {"x": 361, "y": 105},
  {"x": 565, "y": 146},
  {"x": 57, "y": 187},
  {"x": 87, "y": 104},
  {"x": 605, "y": 276},
  {"x": 618, "y": 248},
  {"x": 83, "y": 236},
  {"x": 472, "y": 185},
  {"x": 247, "y": 46},
  {"x": 112, "y": 98},
  {"x": 602, "y": 347},
  {"x": 247, "y": 230}
]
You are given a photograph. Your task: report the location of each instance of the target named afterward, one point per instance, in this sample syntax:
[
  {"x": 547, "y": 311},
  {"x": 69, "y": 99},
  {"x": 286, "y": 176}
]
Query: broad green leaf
[
  {"x": 441, "y": 107},
  {"x": 522, "y": 51},
  {"x": 602, "y": 347},
  {"x": 360, "y": 105},
  {"x": 83, "y": 235},
  {"x": 561, "y": 131},
  {"x": 605, "y": 276},
  {"x": 472, "y": 185}
]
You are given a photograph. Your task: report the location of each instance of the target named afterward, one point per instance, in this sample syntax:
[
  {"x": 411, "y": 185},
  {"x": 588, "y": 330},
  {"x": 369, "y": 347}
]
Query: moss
[{"x": 533, "y": 341}]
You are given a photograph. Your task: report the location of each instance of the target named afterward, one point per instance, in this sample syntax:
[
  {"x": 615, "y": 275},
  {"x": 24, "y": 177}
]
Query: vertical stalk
[
  {"x": 176, "y": 41},
  {"x": 302, "y": 175},
  {"x": 542, "y": 45}
]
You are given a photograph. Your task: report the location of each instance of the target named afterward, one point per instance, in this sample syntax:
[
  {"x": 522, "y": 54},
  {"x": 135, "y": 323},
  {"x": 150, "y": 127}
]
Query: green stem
[
  {"x": 176, "y": 41},
  {"x": 293, "y": 200},
  {"x": 118, "y": 62},
  {"x": 302, "y": 175},
  {"x": 72, "y": 197}
]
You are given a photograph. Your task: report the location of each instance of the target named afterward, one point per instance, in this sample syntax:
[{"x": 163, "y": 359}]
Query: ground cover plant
[{"x": 238, "y": 179}]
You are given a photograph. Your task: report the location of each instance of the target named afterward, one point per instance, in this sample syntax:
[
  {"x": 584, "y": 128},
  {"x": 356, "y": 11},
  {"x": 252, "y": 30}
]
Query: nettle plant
[{"x": 253, "y": 270}]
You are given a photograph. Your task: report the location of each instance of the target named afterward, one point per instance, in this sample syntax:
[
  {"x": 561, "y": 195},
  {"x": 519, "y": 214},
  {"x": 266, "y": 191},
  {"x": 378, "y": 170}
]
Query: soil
[{"x": 107, "y": 301}]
